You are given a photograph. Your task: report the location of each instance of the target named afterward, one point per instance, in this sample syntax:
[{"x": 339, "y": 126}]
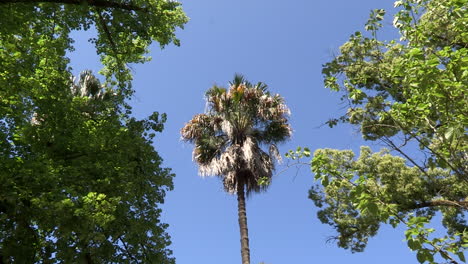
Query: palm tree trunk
[{"x": 245, "y": 251}]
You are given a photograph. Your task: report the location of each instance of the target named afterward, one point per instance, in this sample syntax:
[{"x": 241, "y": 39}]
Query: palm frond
[
  {"x": 274, "y": 131},
  {"x": 238, "y": 80},
  {"x": 208, "y": 148},
  {"x": 89, "y": 84},
  {"x": 221, "y": 165},
  {"x": 200, "y": 125},
  {"x": 262, "y": 87},
  {"x": 274, "y": 153},
  {"x": 229, "y": 135}
]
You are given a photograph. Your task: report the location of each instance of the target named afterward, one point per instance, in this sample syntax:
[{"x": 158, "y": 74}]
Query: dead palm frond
[{"x": 228, "y": 137}]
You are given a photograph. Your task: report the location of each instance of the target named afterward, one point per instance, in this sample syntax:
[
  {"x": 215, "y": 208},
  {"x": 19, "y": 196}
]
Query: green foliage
[
  {"x": 359, "y": 195},
  {"x": 409, "y": 94},
  {"x": 80, "y": 180},
  {"x": 298, "y": 153},
  {"x": 79, "y": 184},
  {"x": 36, "y": 36}
]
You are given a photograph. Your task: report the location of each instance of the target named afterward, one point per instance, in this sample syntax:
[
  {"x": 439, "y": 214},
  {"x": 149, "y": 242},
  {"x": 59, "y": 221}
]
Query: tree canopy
[
  {"x": 80, "y": 179},
  {"x": 410, "y": 95},
  {"x": 35, "y": 35}
]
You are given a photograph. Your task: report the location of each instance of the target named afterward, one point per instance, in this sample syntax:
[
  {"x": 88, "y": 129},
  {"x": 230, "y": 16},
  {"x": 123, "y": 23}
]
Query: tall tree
[
  {"x": 228, "y": 141},
  {"x": 80, "y": 181},
  {"x": 409, "y": 94}
]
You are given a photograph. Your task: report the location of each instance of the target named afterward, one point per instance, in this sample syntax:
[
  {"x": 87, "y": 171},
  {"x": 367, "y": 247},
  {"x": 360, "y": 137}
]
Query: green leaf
[
  {"x": 325, "y": 181},
  {"x": 415, "y": 52},
  {"x": 421, "y": 256},
  {"x": 461, "y": 256},
  {"x": 397, "y": 3},
  {"x": 449, "y": 133},
  {"x": 306, "y": 152},
  {"x": 373, "y": 208},
  {"x": 413, "y": 244},
  {"x": 433, "y": 62}
]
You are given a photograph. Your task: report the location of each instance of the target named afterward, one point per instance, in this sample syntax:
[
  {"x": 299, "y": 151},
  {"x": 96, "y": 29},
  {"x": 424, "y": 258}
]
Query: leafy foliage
[
  {"x": 409, "y": 94},
  {"x": 35, "y": 35},
  {"x": 80, "y": 180},
  {"x": 380, "y": 188}
]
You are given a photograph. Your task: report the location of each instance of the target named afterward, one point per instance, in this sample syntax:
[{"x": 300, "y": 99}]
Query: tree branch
[
  {"x": 94, "y": 3},
  {"x": 460, "y": 204},
  {"x": 108, "y": 34},
  {"x": 396, "y": 148},
  {"x": 127, "y": 251},
  {"x": 451, "y": 42}
]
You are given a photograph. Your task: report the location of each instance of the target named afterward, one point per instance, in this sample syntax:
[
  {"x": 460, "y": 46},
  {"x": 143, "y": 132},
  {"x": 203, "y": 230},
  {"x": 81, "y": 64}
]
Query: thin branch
[
  {"x": 408, "y": 131},
  {"x": 109, "y": 37},
  {"x": 451, "y": 42},
  {"x": 435, "y": 153},
  {"x": 460, "y": 204},
  {"x": 108, "y": 34},
  {"x": 94, "y": 3},
  {"x": 127, "y": 251},
  {"x": 390, "y": 143},
  {"x": 444, "y": 253},
  {"x": 287, "y": 166}
]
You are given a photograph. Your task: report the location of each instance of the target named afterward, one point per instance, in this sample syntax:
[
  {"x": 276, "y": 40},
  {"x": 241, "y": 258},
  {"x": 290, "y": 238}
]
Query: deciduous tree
[
  {"x": 409, "y": 94},
  {"x": 80, "y": 181},
  {"x": 35, "y": 35}
]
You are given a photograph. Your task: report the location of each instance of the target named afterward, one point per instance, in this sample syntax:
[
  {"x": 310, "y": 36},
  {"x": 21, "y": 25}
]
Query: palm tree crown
[{"x": 229, "y": 136}]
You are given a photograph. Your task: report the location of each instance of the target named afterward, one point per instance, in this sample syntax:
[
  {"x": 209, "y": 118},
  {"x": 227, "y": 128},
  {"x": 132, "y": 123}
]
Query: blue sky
[{"x": 281, "y": 43}]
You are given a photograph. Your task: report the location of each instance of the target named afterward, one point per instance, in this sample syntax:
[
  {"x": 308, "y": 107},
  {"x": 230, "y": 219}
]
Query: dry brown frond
[{"x": 227, "y": 137}]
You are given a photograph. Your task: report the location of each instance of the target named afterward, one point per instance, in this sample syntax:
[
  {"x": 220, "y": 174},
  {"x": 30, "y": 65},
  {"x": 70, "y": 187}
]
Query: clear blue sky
[{"x": 284, "y": 44}]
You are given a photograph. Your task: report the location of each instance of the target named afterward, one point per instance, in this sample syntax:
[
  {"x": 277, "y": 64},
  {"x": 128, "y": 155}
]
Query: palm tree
[
  {"x": 229, "y": 137},
  {"x": 86, "y": 86}
]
